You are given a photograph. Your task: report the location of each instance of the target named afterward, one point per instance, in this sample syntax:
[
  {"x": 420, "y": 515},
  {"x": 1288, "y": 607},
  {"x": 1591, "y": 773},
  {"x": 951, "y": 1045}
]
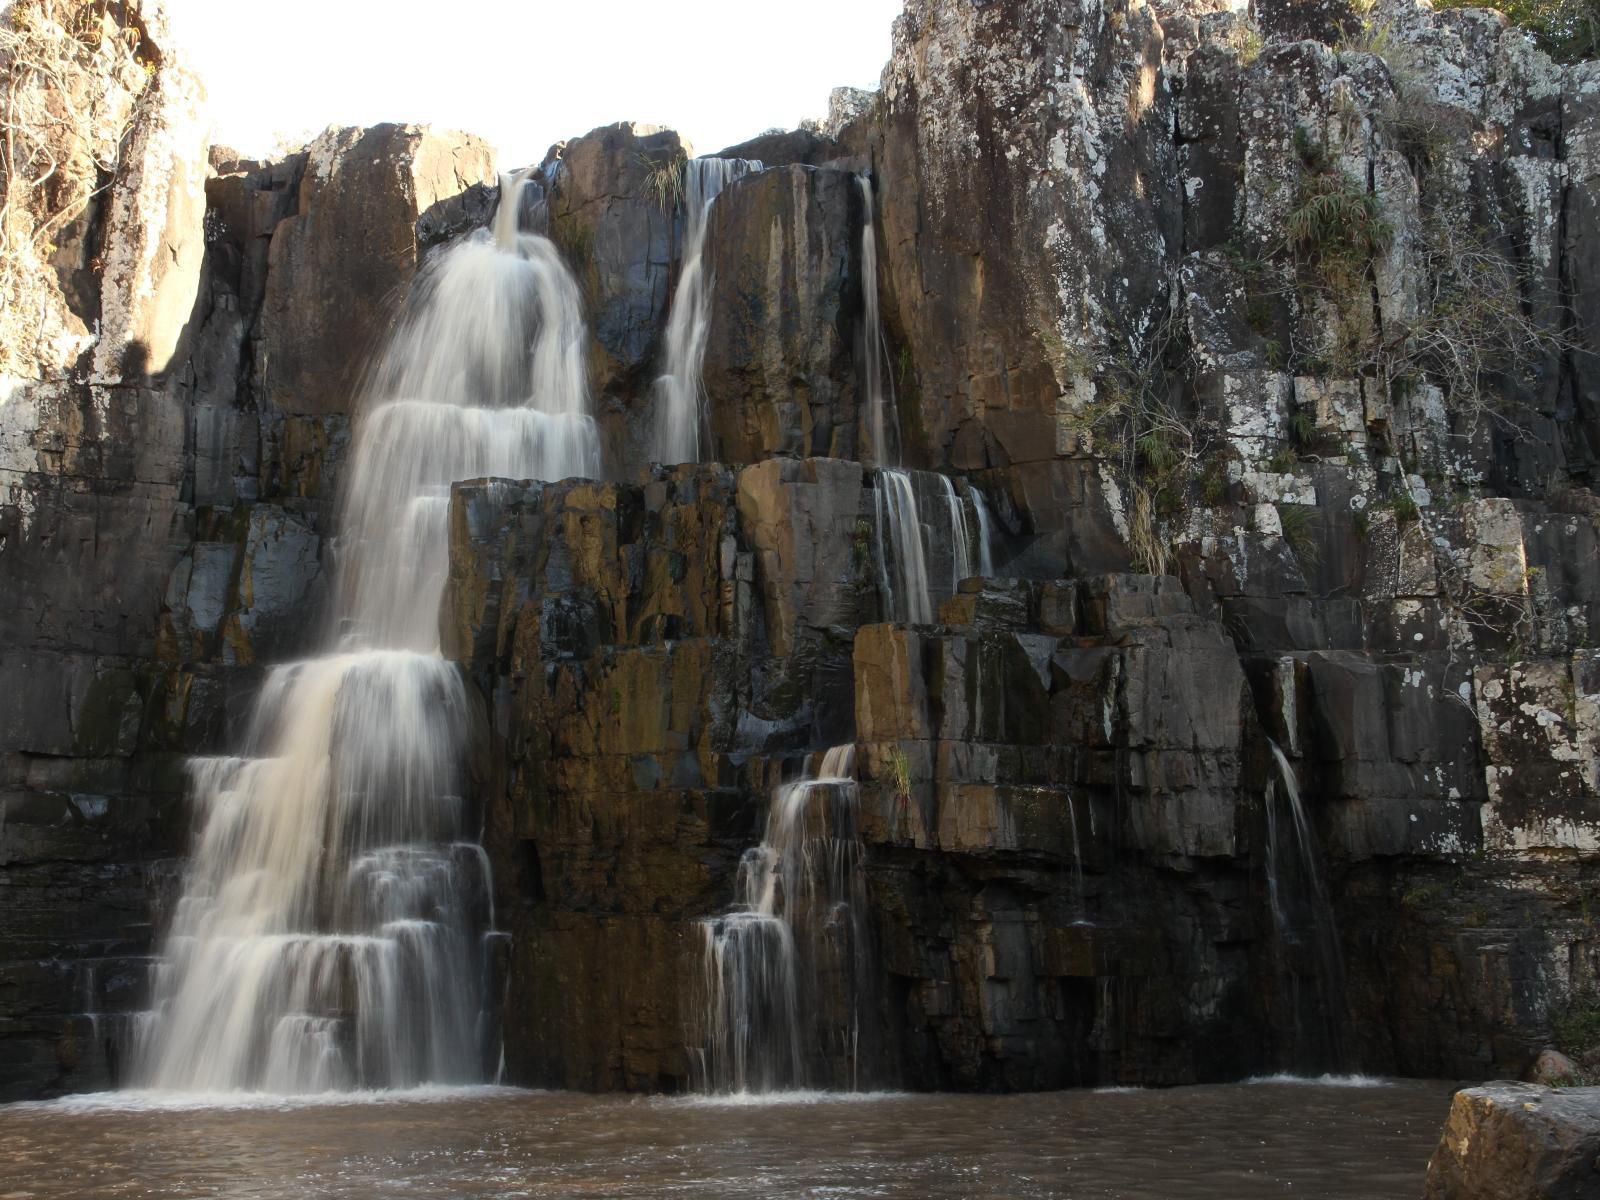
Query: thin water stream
[
  {"x": 1223, "y": 1142},
  {"x": 682, "y": 432},
  {"x": 779, "y": 1001}
]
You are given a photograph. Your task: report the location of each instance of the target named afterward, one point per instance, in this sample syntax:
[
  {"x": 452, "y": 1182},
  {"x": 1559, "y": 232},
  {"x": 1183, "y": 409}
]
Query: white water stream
[
  {"x": 780, "y": 970},
  {"x": 914, "y": 532},
  {"x": 333, "y": 927},
  {"x": 682, "y": 432},
  {"x": 1304, "y": 911}
]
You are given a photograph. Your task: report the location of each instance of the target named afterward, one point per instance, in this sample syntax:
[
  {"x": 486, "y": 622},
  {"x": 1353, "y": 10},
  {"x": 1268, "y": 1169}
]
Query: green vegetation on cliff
[{"x": 1566, "y": 30}]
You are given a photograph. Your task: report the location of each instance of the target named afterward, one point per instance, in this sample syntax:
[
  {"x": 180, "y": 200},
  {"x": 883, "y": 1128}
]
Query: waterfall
[
  {"x": 781, "y": 972},
  {"x": 1080, "y": 896},
  {"x": 928, "y": 539},
  {"x": 905, "y": 582},
  {"x": 1315, "y": 915},
  {"x": 882, "y": 452},
  {"x": 903, "y": 573},
  {"x": 682, "y": 432},
  {"x": 331, "y": 932},
  {"x": 980, "y": 510}
]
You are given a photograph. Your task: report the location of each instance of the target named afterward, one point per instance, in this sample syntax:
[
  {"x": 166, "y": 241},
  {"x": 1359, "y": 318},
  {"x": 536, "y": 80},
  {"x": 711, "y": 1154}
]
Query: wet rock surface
[{"x": 1073, "y": 789}]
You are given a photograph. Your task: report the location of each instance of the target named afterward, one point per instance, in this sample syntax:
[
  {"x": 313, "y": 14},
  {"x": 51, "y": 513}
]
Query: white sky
[{"x": 526, "y": 73}]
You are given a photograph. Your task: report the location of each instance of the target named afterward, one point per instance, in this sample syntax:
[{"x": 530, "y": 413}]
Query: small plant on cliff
[
  {"x": 1473, "y": 330},
  {"x": 1299, "y": 524},
  {"x": 900, "y": 780},
  {"x": 1146, "y": 544},
  {"x": 1336, "y": 226},
  {"x": 1404, "y": 508},
  {"x": 900, "y": 773},
  {"x": 663, "y": 182},
  {"x": 1333, "y": 232},
  {"x": 1246, "y": 37}
]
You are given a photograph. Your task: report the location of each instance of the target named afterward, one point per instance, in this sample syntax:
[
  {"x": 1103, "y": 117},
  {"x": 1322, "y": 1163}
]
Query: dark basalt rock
[
  {"x": 783, "y": 248},
  {"x": 621, "y": 242},
  {"x": 1301, "y": 20},
  {"x": 338, "y": 264},
  {"x": 779, "y": 148}
]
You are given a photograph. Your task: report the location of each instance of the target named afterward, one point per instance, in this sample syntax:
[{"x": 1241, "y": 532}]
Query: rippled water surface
[{"x": 1235, "y": 1142}]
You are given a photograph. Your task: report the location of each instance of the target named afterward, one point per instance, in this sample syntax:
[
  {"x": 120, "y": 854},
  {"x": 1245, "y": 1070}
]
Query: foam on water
[
  {"x": 1336, "y": 1081},
  {"x": 778, "y": 1099},
  {"x": 135, "y": 1100}
]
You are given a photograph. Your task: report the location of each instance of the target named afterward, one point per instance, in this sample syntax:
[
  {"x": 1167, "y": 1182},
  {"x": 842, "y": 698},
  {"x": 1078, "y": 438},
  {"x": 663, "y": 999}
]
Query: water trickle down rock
[
  {"x": 796, "y": 939},
  {"x": 681, "y": 421},
  {"x": 1302, "y": 912}
]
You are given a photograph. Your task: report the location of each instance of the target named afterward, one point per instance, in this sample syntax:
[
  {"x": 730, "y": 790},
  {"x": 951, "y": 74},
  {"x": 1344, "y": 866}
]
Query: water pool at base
[{"x": 1228, "y": 1142}]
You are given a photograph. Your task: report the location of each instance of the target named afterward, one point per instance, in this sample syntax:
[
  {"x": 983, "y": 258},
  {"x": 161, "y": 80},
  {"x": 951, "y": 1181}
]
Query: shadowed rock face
[
  {"x": 620, "y": 239},
  {"x": 1245, "y": 534}
]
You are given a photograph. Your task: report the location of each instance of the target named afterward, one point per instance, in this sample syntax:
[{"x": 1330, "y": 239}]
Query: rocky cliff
[
  {"x": 1270, "y": 355},
  {"x": 1265, "y": 739}
]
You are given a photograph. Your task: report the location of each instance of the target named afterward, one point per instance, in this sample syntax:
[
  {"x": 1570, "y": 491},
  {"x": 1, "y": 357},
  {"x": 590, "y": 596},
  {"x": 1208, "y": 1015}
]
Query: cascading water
[
  {"x": 927, "y": 535},
  {"x": 1304, "y": 910},
  {"x": 980, "y": 510},
  {"x": 781, "y": 972},
  {"x": 905, "y": 579},
  {"x": 681, "y": 425},
  {"x": 333, "y": 927}
]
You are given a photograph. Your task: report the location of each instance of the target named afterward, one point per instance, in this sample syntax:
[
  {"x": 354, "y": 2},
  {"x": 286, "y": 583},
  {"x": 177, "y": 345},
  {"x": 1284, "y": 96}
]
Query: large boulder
[{"x": 1518, "y": 1141}]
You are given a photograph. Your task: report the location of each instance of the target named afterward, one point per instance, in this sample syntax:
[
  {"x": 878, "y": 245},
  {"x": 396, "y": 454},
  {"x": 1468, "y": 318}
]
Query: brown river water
[{"x": 1229, "y": 1142}]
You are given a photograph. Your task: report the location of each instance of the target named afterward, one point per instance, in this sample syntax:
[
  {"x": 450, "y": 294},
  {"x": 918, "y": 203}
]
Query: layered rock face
[
  {"x": 1264, "y": 744},
  {"x": 1262, "y": 368}
]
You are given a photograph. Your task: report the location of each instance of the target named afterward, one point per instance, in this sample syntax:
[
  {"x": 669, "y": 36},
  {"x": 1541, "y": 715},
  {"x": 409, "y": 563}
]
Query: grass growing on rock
[
  {"x": 664, "y": 181},
  {"x": 1299, "y": 524}
]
